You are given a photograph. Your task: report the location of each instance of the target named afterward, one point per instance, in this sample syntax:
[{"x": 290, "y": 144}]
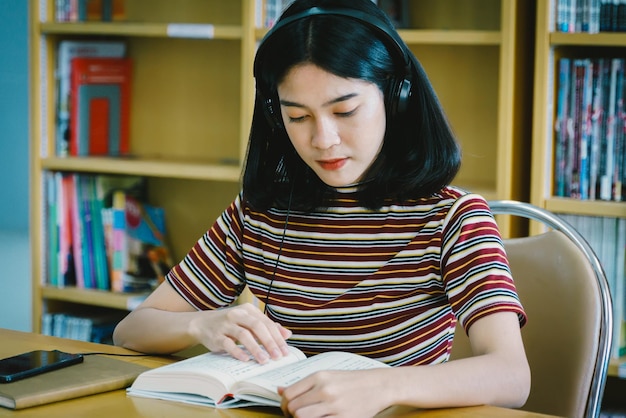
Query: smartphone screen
[{"x": 35, "y": 362}]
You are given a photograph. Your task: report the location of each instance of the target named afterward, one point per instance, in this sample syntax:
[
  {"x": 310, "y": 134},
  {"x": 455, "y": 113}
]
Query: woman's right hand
[
  {"x": 242, "y": 326},
  {"x": 165, "y": 323}
]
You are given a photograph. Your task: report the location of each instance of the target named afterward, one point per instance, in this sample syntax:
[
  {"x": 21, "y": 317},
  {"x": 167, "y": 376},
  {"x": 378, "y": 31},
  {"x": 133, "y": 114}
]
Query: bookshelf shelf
[
  {"x": 145, "y": 167},
  {"x": 189, "y": 31},
  {"x": 451, "y": 37},
  {"x": 586, "y": 39},
  {"x": 439, "y": 37},
  {"x": 586, "y": 207},
  {"x": 104, "y": 299}
]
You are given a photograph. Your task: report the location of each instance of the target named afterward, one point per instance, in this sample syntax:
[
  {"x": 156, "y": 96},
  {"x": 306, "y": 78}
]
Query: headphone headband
[
  {"x": 400, "y": 90},
  {"x": 369, "y": 20}
]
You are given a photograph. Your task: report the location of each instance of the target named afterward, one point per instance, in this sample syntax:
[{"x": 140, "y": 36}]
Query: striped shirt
[{"x": 388, "y": 284}]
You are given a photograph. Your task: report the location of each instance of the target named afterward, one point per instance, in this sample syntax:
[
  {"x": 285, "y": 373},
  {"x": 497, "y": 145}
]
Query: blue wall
[{"x": 15, "y": 280}]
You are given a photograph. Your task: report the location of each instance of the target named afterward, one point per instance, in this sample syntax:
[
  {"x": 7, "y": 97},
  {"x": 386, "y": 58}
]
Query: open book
[{"x": 219, "y": 380}]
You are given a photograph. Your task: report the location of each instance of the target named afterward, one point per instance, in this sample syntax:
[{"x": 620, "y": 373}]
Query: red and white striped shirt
[{"x": 388, "y": 284}]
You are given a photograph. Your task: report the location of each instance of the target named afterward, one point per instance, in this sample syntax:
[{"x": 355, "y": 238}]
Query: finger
[
  {"x": 232, "y": 348},
  {"x": 283, "y": 402},
  {"x": 296, "y": 396},
  {"x": 286, "y": 334},
  {"x": 263, "y": 332},
  {"x": 275, "y": 343}
]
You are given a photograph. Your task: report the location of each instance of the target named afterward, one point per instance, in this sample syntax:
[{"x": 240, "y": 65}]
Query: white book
[{"x": 221, "y": 381}]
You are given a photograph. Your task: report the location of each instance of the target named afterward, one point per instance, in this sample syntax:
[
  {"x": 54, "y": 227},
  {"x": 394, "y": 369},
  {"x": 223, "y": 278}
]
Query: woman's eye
[
  {"x": 346, "y": 114},
  {"x": 296, "y": 119}
]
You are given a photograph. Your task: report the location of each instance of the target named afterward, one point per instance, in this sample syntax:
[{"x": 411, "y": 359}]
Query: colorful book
[
  {"x": 67, "y": 272},
  {"x": 141, "y": 257},
  {"x": 75, "y": 210},
  {"x": 562, "y": 126},
  {"x": 586, "y": 130},
  {"x": 52, "y": 216},
  {"x": 100, "y": 111},
  {"x": 106, "y": 187},
  {"x": 99, "y": 254},
  {"x": 67, "y": 51},
  {"x": 600, "y": 70},
  {"x": 86, "y": 217}
]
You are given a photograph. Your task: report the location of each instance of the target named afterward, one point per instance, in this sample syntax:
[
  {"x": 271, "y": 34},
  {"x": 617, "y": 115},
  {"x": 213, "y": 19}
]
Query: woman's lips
[{"x": 334, "y": 164}]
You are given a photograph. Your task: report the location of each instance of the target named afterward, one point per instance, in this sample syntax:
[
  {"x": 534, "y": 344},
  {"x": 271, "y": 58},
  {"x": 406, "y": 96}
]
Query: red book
[{"x": 100, "y": 106}]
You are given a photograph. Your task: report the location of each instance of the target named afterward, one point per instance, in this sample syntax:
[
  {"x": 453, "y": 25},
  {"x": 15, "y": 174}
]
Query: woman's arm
[
  {"x": 497, "y": 374},
  {"x": 165, "y": 323}
]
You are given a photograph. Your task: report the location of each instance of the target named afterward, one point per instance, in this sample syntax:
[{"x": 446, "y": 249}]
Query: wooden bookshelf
[
  {"x": 549, "y": 47},
  {"x": 480, "y": 64},
  {"x": 193, "y": 95}
]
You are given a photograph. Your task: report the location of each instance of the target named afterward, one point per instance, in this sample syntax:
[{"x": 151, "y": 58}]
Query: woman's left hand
[{"x": 334, "y": 393}]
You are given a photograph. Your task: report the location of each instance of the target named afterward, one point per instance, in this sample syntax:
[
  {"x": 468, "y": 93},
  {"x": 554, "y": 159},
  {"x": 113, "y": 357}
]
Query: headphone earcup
[
  {"x": 400, "y": 98},
  {"x": 272, "y": 112}
]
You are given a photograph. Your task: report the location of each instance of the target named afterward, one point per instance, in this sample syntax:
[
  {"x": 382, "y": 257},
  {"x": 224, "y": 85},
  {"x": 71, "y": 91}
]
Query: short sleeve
[
  {"x": 211, "y": 274},
  {"x": 475, "y": 269}
]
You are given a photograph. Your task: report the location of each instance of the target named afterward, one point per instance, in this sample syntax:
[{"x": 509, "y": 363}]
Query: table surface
[{"x": 117, "y": 404}]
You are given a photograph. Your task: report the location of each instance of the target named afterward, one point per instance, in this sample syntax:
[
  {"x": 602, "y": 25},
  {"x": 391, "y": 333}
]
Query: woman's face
[{"x": 336, "y": 125}]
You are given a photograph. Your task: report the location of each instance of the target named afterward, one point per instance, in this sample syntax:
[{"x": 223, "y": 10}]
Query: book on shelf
[
  {"x": 221, "y": 381},
  {"x": 67, "y": 50},
  {"x": 561, "y": 127},
  {"x": 89, "y": 10},
  {"x": 140, "y": 256},
  {"x": 93, "y": 326},
  {"x": 272, "y": 9},
  {"x": 607, "y": 238},
  {"x": 589, "y": 130},
  {"x": 268, "y": 11},
  {"x": 589, "y": 16},
  {"x": 96, "y": 374},
  {"x": 100, "y": 106},
  {"x": 102, "y": 235}
]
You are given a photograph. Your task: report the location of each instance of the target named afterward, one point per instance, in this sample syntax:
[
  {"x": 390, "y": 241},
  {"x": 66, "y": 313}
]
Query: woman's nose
[{"x": 325, "y": 134}]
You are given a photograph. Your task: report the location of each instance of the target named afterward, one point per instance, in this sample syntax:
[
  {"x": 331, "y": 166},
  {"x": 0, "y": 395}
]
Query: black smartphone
[{"x": 34, "y": 363}]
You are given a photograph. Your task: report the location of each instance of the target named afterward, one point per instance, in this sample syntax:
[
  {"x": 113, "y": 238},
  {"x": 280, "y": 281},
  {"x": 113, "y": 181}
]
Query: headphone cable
[{"x": 280, "y": 249}]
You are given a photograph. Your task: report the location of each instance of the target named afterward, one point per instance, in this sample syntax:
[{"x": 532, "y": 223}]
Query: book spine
[
  {"x": 119, "y": 241},
  {"x": 561, "y": 128},
  {"x": 605, "y": 15},
  {"x": 618, "y": 154},
  {"x": 99, "y": 251},
  {"x": 77, "y": 232},
  {"x": 52, "y": 230},
  {"x": 87, "y": 231},
  {"x": 597, "y": 121},
  {"x": 585, "y": 138}
]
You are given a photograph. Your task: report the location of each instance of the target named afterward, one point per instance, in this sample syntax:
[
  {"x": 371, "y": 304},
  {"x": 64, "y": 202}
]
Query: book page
[
  {"x": 266, "y": 384},
  {"x": 210, "y": 375}
]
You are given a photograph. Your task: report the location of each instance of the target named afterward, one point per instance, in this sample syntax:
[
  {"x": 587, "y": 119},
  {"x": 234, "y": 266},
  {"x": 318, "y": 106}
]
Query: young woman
[{"x": 349, "y": 232}]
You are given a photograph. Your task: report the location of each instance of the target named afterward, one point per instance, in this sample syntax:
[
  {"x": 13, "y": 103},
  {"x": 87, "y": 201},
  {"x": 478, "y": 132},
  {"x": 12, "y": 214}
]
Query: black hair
[{"x": 420, "y": 154}]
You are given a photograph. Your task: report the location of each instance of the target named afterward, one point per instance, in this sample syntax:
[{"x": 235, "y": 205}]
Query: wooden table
[{"x": 117, "y": 405}]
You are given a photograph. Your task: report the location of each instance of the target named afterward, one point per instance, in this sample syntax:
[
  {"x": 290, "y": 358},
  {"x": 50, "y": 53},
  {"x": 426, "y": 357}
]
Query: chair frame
[{"x": 532, "y": 212}]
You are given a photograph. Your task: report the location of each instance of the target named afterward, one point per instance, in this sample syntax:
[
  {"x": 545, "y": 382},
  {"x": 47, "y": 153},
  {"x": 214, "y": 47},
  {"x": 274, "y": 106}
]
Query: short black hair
[{"x": 420, "y": 154}]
